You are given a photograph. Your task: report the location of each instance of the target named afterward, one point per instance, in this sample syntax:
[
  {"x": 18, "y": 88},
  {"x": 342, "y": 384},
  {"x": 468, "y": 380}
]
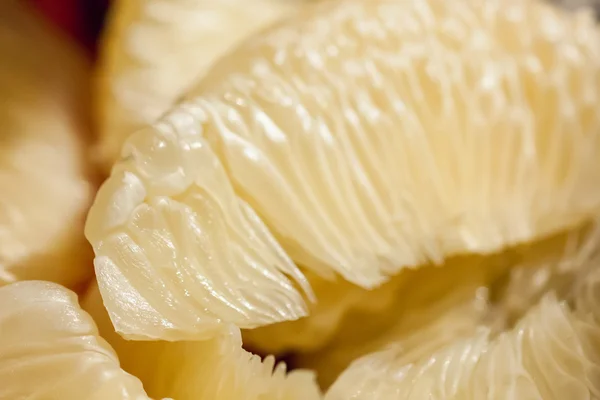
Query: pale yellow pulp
[
  {"x": 551, "y": 353},
  {"x": 215, "y": 369},
  {"x": 358, "y": 139},
  {"x": 50, "y": 349}
]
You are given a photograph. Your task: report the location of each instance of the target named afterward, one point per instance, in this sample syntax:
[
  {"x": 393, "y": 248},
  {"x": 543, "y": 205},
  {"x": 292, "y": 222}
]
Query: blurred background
[{"x": 80, "y": 19}]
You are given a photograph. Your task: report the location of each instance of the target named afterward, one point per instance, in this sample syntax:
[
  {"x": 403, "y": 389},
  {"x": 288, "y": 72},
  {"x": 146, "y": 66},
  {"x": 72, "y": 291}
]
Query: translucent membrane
[
  {"x": 359, "y": 139},
  {"x": 154, "y": 49},
  {"x": 50, "y": 349},
  {"x": 44, "y": 182},
  {"x": 215, "y": 369}
]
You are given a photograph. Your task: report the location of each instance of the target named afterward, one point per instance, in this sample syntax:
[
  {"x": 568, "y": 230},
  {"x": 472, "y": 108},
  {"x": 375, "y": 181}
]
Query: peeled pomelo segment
[
  {"x": 154, "y": 49},
  {"x": 44, "y": 180},
  {"x": 217, "y": 368},
  {"x": 362, "y": 152},
  {"x": 50, "y": 349},
  {"x": 551, "y": 353},
  {"x": 371, "y": 136},
  {"x": 178, "y": 253}
]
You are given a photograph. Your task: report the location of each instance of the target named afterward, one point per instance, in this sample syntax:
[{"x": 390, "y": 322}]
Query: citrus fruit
[
  {"x": 436, "y": 306},
  {"x": 44, "y": 180},
  {"x": 214, "y": 369},
  {"x": 358, "y": 139},
  {"x": 154, "y": 49},
  {"x": 551, "y": 353},
  {"x": 50, "y": 349}
]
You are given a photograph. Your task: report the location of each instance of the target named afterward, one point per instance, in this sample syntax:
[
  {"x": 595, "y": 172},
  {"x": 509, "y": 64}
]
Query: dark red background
[{"x": 81, "y": 19}]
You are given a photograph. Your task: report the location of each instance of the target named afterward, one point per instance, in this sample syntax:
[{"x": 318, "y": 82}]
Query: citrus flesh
[
  {"x": 42, "y": 152},
  {"x": 435, "y": 305},
  {"x": 213, "y": 369},
  {"x": 153, "y": 50},
  {"x": 551, "y": 353},
  {"x": 50, "y": 349},
  {"x": 354, "y": 144}
]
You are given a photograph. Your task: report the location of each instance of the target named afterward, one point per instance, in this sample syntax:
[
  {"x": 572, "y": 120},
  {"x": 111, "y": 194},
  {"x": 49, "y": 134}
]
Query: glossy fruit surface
[
  {"x": 214, "y": 369},
  {"x": 50, "y": 349},
  {"x": 359, "y": 138}
]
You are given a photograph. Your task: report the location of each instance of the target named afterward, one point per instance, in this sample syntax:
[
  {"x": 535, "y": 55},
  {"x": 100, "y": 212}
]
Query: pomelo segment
[
  {"x": 50, "y": 349},
  {"x": 177, "y": 252},
  {"x": 214, "y": 369},
  {"x": 154, "y": 49},
  {"x": 375, "y": 135},
  {"x": 44, "y": 180},
  {"x": 369, "y": 137},
  {"x": 552, "y": 353}
]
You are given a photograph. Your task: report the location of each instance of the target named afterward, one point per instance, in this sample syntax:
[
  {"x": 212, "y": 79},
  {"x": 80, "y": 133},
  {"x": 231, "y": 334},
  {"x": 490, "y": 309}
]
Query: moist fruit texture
[
  {"x": 215, "y": 369},
  {"x": 436, "y": 306},
  {"x": 154, "y": 49},
  {"x": 44, "y": 180},
  {"x": 50, "y": 349},
  {"x": 357, "y": 139},
  {"x": 551, "y": 353}
]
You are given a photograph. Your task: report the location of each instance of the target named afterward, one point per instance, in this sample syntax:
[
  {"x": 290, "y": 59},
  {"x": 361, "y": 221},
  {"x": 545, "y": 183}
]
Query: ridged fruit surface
[
  {"x": 44, "y": 181},
  {"x": 368, "y": 137},
  {"x": 551, "y": 353},
  {"x": 436, "y": 306},
  {"x": 50, "y": 349},
  {"x": 215, "y": 369},
  {"x": 154, "y": 49}
]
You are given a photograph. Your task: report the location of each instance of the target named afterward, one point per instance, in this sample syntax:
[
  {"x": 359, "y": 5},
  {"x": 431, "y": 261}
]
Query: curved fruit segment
[
  {"x": 552, "y": 353},
  {"x": 371, "y": 136},
  {"x": 171, "y": 238},
  {"x": 215, "y": 369},
  {"x": 43, "y": 178},
  {"x": 368, "y": 136},
  {"x": 50, "y": 349},
  {"x": 154, "y": 49}
]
